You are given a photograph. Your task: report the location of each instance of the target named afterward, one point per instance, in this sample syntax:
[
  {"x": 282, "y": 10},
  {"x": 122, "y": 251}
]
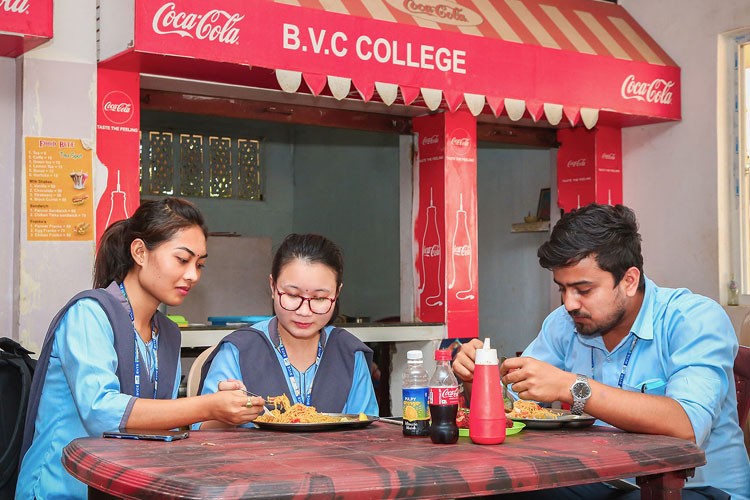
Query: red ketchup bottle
[{"x": 487, "y": 411}]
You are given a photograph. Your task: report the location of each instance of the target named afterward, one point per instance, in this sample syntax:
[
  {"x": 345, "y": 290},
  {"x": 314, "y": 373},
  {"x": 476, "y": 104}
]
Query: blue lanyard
[
  {"x": 137, "y": 359},
  {"x": 293, "y": 379},
  {"x": 624, "y": 365}
]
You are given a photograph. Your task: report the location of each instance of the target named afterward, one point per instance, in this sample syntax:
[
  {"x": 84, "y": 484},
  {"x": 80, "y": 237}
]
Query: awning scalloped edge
[{"x": 515, "y": 109}]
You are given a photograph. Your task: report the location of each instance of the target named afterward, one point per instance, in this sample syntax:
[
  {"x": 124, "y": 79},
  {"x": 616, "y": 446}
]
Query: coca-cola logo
[
  {"x": 462, "y": 250},
  {"x": 443, "y": 396},
  {"x": 657, "y": 91},
  {"x": 460, "y": 142},
  {"x": 580, "y": 162},
  {"x": 450, "y": 392},
  {"x": 431, "y": 251},
  {"x": 439, "y": 11},
  {"x": 117, "y": 107},
  {"x": 14, "y": 6},
  {"x": 215, "y": 25},
  {"x": 608, "y": 156},
  {"x": 433, "y": 139}
]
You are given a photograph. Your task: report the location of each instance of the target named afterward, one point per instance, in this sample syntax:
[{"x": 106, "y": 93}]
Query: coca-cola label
[
  {"x": 608, "y": 156},
  {"x": 580, "y": 162},
  {"x": 215, "y": 25},
  {"x": 439, "y": 11},
  {"x": 462, "y": 250},
  {"x": 431, "y": 139},
  {"x": 117, "y": 107},
  {"x": 443, "y": 395},
  {"x": 431, "y": 251},
  {"x": 460, "y": 142},
  {"x": 14, "y": 6},
  {"x": 657, "y": 91}
]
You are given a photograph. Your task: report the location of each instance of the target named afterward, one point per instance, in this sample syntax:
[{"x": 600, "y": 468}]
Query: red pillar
[
  {"x": 118, "y": 144},
  {"x": 589, "y": 167},
  {"x": 445, "y": 222}
]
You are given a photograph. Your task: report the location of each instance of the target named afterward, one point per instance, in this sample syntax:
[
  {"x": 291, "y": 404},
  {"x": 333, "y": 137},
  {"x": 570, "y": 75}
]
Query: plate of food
[
  {"x": 536, "y": 417},
  {"x": 325, "y": 422},
  {"x": 302, "y": 418}
]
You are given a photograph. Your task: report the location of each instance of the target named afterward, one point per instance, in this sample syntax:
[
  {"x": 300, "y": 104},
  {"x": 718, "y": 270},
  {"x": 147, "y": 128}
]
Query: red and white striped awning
[
  {"x": 24, "y": 24},
  {"x": 578, "y": 59}
]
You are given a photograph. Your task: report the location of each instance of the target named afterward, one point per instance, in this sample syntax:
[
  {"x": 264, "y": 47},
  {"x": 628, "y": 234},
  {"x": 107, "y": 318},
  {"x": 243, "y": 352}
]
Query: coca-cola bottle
[
  {"x": 443, "y": 400},
  {"x": 431, "y": 292},
  {"x": 118, "y": 209},
  {"x": 461, "y": 257}
]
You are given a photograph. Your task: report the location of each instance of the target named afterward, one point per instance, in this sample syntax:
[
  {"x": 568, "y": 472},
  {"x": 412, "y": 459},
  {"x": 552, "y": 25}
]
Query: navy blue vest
[
  {"x": 263, "y": 374},
  {"x": 116, "y": 308}
]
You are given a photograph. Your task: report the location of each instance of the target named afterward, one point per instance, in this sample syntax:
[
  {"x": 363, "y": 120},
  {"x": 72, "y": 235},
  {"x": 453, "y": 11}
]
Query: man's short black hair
[{"x": 608, "y": 233}]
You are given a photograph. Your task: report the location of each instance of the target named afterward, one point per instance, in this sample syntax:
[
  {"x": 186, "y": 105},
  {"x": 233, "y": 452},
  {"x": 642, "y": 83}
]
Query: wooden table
[{"x": 375, "y": 462}]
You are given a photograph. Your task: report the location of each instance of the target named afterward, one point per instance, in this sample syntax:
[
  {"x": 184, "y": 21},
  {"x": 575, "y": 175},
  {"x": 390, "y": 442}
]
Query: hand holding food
[
  {"x": 536, "y": 380},
  {"x": 234, "y": 407}
]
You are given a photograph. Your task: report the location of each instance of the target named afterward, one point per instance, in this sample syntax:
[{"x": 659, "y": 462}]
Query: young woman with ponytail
[{"x": 111, "y": 360}]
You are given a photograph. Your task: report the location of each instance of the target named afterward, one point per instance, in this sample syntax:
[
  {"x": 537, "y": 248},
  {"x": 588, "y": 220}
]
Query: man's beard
[{"x": 592, "y": 329}]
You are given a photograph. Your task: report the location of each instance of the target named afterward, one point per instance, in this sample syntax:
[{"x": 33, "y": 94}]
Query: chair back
[
  {"x": 194, "y": 375},
  {"x": 742, "y": 383}
]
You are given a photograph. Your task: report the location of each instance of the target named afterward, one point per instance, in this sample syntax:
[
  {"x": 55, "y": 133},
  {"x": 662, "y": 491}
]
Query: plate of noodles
[
  {"x": 536, "y": 417},
  {"x": 301, "y": 418}
]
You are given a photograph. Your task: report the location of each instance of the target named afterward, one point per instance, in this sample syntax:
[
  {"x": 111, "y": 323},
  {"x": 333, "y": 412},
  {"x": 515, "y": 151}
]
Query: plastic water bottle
[
  {"x": 443, "y": 401},
  {"x": 487, "y": 410},
  {"x": 415, "y": 396}
]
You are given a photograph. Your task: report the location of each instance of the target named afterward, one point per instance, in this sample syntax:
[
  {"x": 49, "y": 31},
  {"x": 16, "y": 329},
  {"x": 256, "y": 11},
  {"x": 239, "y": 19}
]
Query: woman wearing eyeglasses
[{"x": 298, "y": 352}]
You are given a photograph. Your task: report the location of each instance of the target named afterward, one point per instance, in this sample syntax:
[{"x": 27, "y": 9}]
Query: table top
[{"x": 373, "y": 462}]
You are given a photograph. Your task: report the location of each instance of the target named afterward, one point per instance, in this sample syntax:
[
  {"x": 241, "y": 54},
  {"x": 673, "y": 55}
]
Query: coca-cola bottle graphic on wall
[
  {"x": 461, "y": 256},
  {"x": 431, "y": 256},
  {"x": 118, "y": 209}
]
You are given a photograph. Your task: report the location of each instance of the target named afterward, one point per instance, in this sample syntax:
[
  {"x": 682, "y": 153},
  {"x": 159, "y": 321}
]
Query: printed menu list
[{"x": 59, "y": 204}]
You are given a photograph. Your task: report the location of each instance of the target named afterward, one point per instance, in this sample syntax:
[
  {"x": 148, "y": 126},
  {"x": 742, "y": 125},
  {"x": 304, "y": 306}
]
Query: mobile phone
[{"x": 146, "y": 434}]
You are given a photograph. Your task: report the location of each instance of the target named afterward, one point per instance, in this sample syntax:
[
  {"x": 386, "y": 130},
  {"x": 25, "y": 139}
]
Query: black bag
[{"x": 16, "y": 372}]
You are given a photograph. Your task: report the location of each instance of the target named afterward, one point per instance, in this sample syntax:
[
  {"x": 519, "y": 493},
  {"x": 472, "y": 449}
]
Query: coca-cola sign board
[
  {"x": 278, "y": 36},
  {"x": 589, "y": 167},
  {"x": 445, "y": 224},
  {"x": 24, "y": 24},
  {"x": 117, "y": 141}
]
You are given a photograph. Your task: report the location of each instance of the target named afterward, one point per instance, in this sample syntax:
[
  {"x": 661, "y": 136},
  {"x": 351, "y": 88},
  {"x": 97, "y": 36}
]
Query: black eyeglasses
[{"x": 318, "y": 305}]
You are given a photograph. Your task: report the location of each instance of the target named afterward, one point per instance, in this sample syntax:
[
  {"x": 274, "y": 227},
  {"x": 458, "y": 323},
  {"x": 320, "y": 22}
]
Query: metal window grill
[{"x": 198, "y": 165}]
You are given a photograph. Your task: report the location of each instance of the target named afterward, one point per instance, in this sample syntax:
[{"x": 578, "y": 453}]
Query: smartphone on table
[{"x": 147, "y": 434}]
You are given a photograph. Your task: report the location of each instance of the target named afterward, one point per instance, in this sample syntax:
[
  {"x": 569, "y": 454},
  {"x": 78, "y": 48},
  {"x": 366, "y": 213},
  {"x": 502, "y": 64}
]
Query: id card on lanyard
[
  {"x": 290, "y": 372},
  {"x": 621, "y": 379},
  {"x": 137, "y": 359}
]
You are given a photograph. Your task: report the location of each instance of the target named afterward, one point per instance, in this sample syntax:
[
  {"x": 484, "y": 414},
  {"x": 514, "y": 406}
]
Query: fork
[{"x": 248, "y": 393}]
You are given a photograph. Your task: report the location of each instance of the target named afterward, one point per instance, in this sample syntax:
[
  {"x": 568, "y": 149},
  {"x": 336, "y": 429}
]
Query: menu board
[{"x": 59, "y": 201}]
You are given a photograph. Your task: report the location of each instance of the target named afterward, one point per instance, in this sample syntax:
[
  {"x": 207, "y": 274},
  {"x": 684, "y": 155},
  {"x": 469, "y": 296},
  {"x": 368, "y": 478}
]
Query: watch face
[{"x": 581, "y": 390}]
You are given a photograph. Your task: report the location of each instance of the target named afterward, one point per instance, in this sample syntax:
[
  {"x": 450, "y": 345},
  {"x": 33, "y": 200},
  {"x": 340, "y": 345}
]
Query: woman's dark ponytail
[{"x": 155, "y": 222}]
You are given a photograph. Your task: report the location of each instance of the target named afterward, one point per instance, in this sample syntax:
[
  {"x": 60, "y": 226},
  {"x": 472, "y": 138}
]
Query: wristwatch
[{"x": 581, "y": 391}]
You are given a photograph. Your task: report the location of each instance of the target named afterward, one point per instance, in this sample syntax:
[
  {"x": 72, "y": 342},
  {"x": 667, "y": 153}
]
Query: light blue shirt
[
  {"x": 226, "y": 365},
  {"x": 685, "y": 350},
  {"x": 81, "y": 397}
]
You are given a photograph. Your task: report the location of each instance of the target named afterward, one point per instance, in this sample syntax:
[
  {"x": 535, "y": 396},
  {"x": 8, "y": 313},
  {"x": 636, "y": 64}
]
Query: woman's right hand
[{"x": 234, "y": 407}]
